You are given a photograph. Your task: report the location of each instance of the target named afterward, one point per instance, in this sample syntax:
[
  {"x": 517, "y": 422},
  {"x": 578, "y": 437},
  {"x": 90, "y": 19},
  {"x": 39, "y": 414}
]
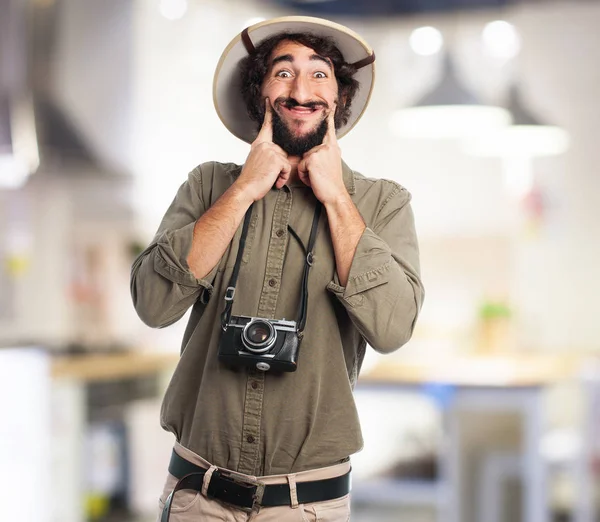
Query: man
[{"x": 264, "y": 431}]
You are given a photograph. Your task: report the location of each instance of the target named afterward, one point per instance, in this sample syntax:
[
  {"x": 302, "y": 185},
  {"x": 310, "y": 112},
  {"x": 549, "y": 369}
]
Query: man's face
[{"x": 302, "y": 89}]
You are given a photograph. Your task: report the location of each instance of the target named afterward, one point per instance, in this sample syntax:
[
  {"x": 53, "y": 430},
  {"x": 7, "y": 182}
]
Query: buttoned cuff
[
  {"x": 370, "y": 267},
  {"x": 171, "y": 259}
]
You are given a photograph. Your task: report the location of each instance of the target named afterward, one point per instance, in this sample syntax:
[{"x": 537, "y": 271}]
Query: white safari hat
[{"x": 227, "y": 95}]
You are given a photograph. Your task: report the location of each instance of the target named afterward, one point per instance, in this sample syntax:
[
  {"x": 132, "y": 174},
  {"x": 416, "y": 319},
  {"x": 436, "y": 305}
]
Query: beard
[
  {"x": 284, "y": 138},
  {"x": 296, "y": 145}
]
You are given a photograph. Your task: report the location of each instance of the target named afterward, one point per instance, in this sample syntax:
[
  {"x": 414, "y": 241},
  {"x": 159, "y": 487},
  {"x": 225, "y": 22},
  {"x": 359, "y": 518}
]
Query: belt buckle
[{"x": 250, "y": 487}]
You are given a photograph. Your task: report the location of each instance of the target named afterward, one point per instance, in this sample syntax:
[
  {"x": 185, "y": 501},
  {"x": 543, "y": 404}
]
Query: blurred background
[{"x": 486, "y": 110}]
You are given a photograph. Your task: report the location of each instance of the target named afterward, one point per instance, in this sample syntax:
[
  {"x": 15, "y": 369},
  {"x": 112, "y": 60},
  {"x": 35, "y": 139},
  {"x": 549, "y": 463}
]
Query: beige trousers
[{"x": 193, "y": 506}]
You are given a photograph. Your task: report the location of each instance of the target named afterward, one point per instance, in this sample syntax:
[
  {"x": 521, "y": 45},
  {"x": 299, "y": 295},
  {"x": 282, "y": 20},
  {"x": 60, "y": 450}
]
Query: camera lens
[
  {"x": 258, "y": 336},
  {"x": 258, "y": 333}
]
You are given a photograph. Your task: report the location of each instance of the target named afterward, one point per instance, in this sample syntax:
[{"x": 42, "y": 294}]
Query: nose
[{"x": 300, "y": 89}]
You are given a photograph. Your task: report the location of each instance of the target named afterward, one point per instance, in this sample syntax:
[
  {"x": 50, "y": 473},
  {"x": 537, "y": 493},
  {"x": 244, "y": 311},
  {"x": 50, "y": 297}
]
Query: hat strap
[
  {"x": 365, "y": 61},
  {"x": 251, "y": 49},
  {"x": 247, "y": 42}
]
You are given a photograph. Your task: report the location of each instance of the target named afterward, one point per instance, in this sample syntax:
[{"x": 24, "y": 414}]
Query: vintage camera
[{"x": 265, "y": 344}]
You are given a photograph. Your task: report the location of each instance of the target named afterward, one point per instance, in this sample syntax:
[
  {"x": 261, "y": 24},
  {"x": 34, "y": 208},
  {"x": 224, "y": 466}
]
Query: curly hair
[{"x": 254, "y": 67}]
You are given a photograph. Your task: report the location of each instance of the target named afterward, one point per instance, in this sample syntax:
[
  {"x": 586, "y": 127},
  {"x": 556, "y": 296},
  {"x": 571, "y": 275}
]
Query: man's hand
[
  {"x": 321, "y": 166},
  {"x": 267, "y": 163}
]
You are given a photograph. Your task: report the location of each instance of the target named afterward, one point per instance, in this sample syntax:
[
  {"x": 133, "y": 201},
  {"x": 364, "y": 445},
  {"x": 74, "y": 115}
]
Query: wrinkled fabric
[{"x": 264, "y": 424}]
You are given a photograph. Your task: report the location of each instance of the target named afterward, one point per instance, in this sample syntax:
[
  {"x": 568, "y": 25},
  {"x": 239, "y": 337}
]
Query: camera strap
[
  {"x": 308, "y": 262},
  {"x": 230, "y": 292}
]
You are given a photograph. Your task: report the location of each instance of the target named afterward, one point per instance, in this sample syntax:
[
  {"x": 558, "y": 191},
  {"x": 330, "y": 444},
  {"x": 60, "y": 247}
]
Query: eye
[
  {"x": 320, "y": 74},
  {"x": 283, "y": 74}
]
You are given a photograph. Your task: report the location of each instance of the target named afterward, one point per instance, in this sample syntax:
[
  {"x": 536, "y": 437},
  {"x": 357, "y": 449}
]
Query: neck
[{"x": 294, "y": 160}]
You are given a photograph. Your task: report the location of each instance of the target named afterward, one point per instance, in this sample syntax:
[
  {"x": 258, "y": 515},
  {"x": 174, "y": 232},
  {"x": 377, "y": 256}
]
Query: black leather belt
[{"x": 249, "y": 495}]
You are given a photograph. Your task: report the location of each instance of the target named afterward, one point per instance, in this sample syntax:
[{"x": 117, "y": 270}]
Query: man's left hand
[{"x": 321, "y": 166}]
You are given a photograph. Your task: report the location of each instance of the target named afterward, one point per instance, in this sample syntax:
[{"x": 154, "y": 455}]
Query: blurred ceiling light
[
  {"x": 449, "y": 111},
  {"x": 526, "y": 137},
  {"x": 173, "y": 9},
  {"x": 19, "y": 155},
  {"x": 426, "y": 41},
  {"x": 252, "y": 21},
  {"x": 501, "y": 40}
]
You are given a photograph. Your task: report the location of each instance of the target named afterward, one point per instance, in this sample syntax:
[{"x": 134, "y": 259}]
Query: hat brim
[{"x": 227, "y": 95}]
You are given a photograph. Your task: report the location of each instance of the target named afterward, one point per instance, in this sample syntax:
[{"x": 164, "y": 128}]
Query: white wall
[{"x": 557, "y": 270}]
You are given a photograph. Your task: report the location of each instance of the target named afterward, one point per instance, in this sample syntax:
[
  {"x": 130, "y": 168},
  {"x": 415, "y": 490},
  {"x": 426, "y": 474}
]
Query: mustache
[{"x": 290, "y": 103}]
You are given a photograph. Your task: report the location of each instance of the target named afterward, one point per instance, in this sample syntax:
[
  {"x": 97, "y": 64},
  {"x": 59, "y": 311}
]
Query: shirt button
[
  {"x": 250, "y": 439},
  {"x": 280, "y": 232},
  {"x": 272, "y": 282},
  {"x": 254, "y": 385}
]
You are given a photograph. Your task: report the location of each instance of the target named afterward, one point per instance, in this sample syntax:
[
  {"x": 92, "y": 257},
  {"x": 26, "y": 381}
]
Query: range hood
[{"x": 35, "y": 132}]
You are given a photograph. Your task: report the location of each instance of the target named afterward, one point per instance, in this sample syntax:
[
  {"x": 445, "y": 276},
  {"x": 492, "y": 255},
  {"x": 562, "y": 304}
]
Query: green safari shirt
[{"x": 262, "y": 423}]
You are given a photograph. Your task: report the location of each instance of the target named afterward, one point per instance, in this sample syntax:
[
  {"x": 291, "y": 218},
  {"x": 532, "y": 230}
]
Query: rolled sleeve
[
  {"x": 162, "y": 285},
  {"x": 370, "y": 267},
  {"x": 173, "y": 247},
  {"x": 384, "y": 292}
]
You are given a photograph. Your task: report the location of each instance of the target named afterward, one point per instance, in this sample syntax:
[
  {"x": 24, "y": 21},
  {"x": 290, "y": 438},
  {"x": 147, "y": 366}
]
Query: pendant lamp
[
  {"x": 519, "y": 143},
  {"x": 527, "y": 136},
  {"x": 448, "y": 111}
]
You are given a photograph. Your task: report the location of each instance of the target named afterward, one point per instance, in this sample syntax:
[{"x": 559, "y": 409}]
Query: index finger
[
  {"x": 266, "y": 131},
  {"x": 331, "y": 135}
]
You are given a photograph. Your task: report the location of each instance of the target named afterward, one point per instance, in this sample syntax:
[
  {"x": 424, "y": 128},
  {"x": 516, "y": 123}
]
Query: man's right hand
[{"x": 267, "y": 164}]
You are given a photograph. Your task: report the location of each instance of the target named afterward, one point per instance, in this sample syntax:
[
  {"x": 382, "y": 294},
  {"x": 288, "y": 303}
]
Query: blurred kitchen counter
[
  {"x": 510, "y": 370},
  {"x": 112, "y": 366}
]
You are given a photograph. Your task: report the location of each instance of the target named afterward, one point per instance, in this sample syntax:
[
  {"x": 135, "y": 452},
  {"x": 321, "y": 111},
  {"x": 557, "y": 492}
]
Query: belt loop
[
  {"x": 206, "y": 480},
  {"x": 293, "y": 492}
]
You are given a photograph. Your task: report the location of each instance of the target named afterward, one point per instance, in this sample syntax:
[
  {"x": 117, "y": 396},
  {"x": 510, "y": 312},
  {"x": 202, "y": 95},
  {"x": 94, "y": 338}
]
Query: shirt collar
[{"x": 348, "y": 175}]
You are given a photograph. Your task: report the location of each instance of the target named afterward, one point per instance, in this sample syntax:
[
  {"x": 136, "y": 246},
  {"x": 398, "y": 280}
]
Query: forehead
[{"x": 294, "y": 49}]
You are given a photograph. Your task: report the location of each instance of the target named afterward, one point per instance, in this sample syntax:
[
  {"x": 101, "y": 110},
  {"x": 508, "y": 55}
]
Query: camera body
[{"x": 264, "y": 344}]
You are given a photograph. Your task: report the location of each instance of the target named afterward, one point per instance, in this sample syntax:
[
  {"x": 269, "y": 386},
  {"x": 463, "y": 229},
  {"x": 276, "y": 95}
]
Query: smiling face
[{"x": 302, "y": 89}]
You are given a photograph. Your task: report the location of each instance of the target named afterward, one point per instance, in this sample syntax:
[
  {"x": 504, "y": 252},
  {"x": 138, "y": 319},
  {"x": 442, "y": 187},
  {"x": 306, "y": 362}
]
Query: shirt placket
[{"x": 249, "y": 461}]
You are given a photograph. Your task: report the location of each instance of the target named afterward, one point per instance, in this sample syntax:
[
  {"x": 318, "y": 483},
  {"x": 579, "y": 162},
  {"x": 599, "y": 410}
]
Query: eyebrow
[{"x": 290, "y": 58}]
